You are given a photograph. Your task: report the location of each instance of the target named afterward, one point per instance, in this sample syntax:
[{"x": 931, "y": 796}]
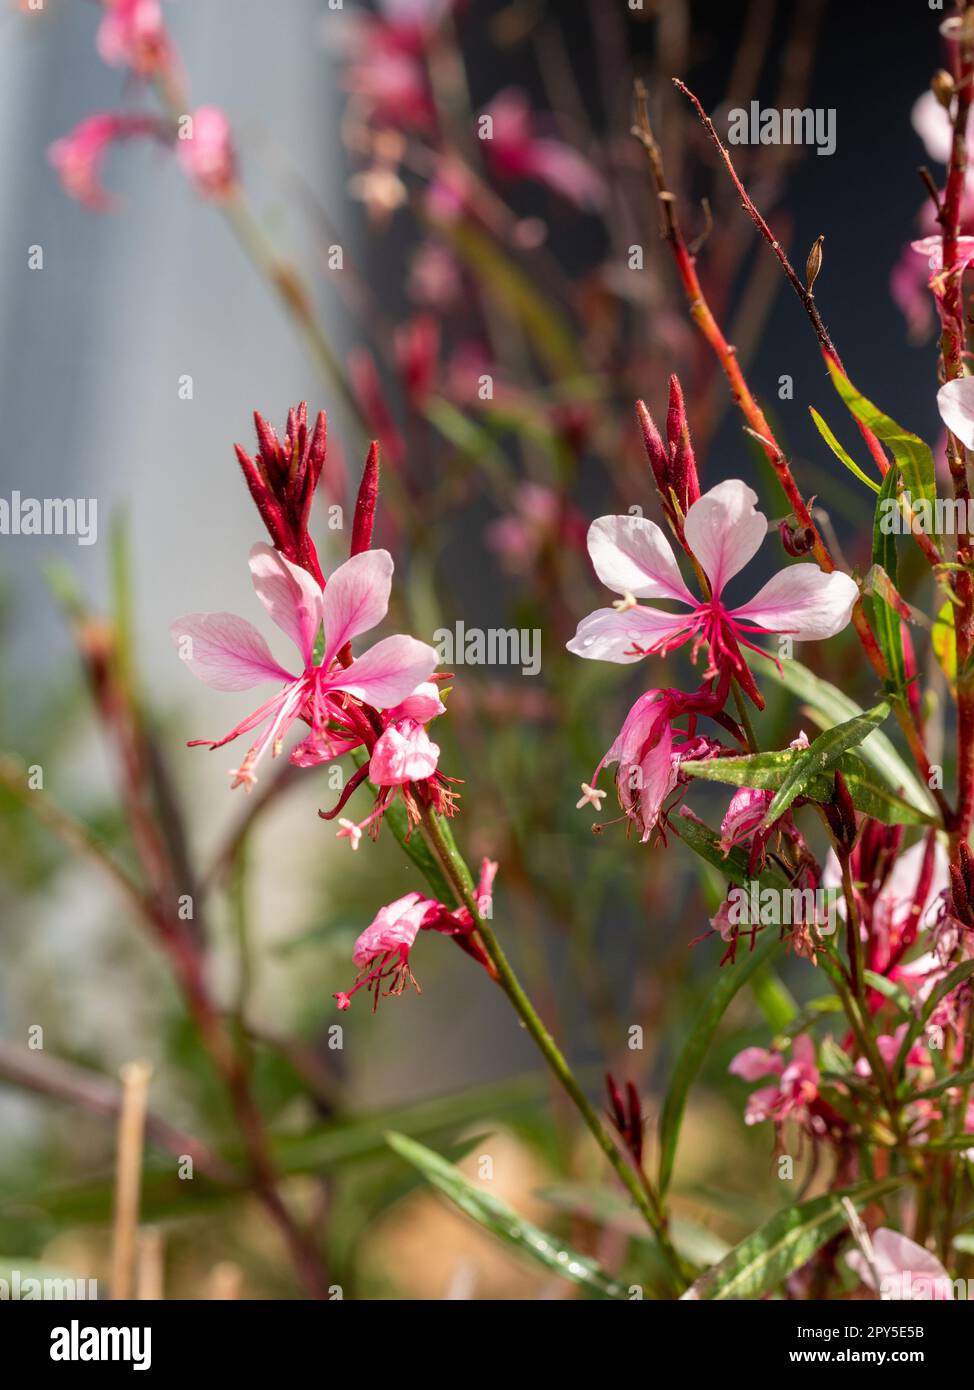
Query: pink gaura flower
[
  {"x": 228, "y": 653},
  {"x": 649, "y": 750},
  {"x": 382, "y": 951},
  {"x": 79, "y": 156},
  {"x": 723, "y": 530},
  {"x": 206, "y": 154},
  {"x": 899, "y": 1269},
  {"x": 794, "y": 1094},
  {"x": 515, "y": 150},
  {"x": 132, "y": 34}
]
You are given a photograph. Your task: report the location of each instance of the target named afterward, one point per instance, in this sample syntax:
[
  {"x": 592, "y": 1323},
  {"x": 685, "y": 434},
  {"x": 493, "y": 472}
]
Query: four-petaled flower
[
  {"x": 228, "y": 653},
  {"x": 723, "y": 531}
]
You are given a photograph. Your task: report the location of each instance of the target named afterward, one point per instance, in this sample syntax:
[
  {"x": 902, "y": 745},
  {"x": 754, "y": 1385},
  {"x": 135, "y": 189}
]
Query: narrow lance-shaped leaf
[
  {"x": 826, "y": 705},
  {"x": 913, "y": 456},
  {"x": 883, "y": 617},
  {"x": 730, "y": 979},
  {"x": 764, "y": 1259},
  {"x": 839, "y": 452},
  {"x": 768, "y": 772},
  {"x": 498, "y": 1218},
  {"x": 822, "y": 756}
]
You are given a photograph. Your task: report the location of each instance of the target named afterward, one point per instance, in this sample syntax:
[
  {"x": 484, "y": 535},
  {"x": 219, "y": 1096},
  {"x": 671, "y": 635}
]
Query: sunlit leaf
[
  {"x": 764, "y": 1259},
  {"x": 501, "y": 1221}
]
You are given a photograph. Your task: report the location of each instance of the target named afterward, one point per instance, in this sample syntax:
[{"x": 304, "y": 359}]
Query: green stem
[{"x": 642, "y": 1193}]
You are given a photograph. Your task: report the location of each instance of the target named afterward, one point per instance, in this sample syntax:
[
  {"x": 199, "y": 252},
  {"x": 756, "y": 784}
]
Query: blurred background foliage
[{"x": 485, "y": 505}]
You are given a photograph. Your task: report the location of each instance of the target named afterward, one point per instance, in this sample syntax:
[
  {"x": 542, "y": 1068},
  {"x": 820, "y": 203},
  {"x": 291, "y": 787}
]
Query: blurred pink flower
[
  {"x": 133, "y": 34},
  {"x": 794, "y": 1094},
  {"x": 228, "y": 653},
  {"x": 516, "y": 151},
  {"x": 539, "y": 517},
  {"x": 79, "y": 156},
  {"x": 206, "y": 152},
  {"x": 386, "y": 70}
]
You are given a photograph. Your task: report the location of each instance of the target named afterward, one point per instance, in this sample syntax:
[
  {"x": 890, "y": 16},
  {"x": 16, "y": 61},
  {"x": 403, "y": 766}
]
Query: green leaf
[
  {"x": 871, "y": 795},
  {"x": 769, "y": 772},
  {"x": 913, "y": 456},
  {"x": 946, "y": 1083},
  {"x": 730, "y": 979},
  {"x": 957, "y": 976},
  {"x": 766, "y": 771},
  {"x": 826, "y": 705},
  {"x": 838, "y": 450},
  {"x": 500, "y": 1220},
  {"x": 890, "y": 990},
  {"x": 883, "y": 617},
  {"x": 605, "y": 1207},
  {"x": 822, "y": 755},
  {"x": 792, "y": 1236}
]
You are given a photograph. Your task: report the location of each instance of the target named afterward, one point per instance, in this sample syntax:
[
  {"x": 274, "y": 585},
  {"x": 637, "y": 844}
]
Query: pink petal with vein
[{"x": 224, "y": 651}]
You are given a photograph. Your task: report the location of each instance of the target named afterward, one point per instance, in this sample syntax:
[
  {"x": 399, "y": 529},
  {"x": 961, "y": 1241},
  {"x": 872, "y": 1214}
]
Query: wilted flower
[{"x": 382, "y": 951}]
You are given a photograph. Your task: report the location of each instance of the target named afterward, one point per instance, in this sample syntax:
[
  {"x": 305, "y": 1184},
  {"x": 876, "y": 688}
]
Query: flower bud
[
  {"x": 942, "y": 86},
  {"x": 796, "y": 539}
]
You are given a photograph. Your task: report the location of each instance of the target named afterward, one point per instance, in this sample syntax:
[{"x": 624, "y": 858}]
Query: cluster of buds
[
  {"x": 673, "y": 463},
  {"x": 962, "y": 887},
  {"x": 626, "y": 1114},
  {"x": 282, "y": 477}
]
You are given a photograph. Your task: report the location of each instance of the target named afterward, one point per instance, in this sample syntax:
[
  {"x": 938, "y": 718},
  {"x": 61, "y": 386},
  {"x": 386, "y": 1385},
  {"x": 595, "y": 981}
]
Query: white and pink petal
[
  {"x": 611, "y": 635},
  {"x": 724, "y": 531},
  {"x": 224, "y": 651},
  {"x": 802, "y": 601}
]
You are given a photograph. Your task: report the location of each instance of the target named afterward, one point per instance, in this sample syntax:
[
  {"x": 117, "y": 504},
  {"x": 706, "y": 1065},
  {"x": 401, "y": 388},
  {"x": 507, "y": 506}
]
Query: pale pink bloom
[
  {"x": 79, "y": 156},
  {"x": 404, "y": 752},
  {"x": 904, "y": 1270},
  {"x": 434, "y": 277},
  {"x": 632, "y": 556},
  {"x": 387, "y": 69},
  {"x": 516, "y": 151},
  {"x": 228, "y": 653},
  {"x": 794, "y": 1094},
  {"x": 955, "y": 401},
  {"x": 933, "y": 248},
  {"x": 206, "y": 154},
  {"x": 520, "y": 535},
  {"x": 132, "y": 34}
]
